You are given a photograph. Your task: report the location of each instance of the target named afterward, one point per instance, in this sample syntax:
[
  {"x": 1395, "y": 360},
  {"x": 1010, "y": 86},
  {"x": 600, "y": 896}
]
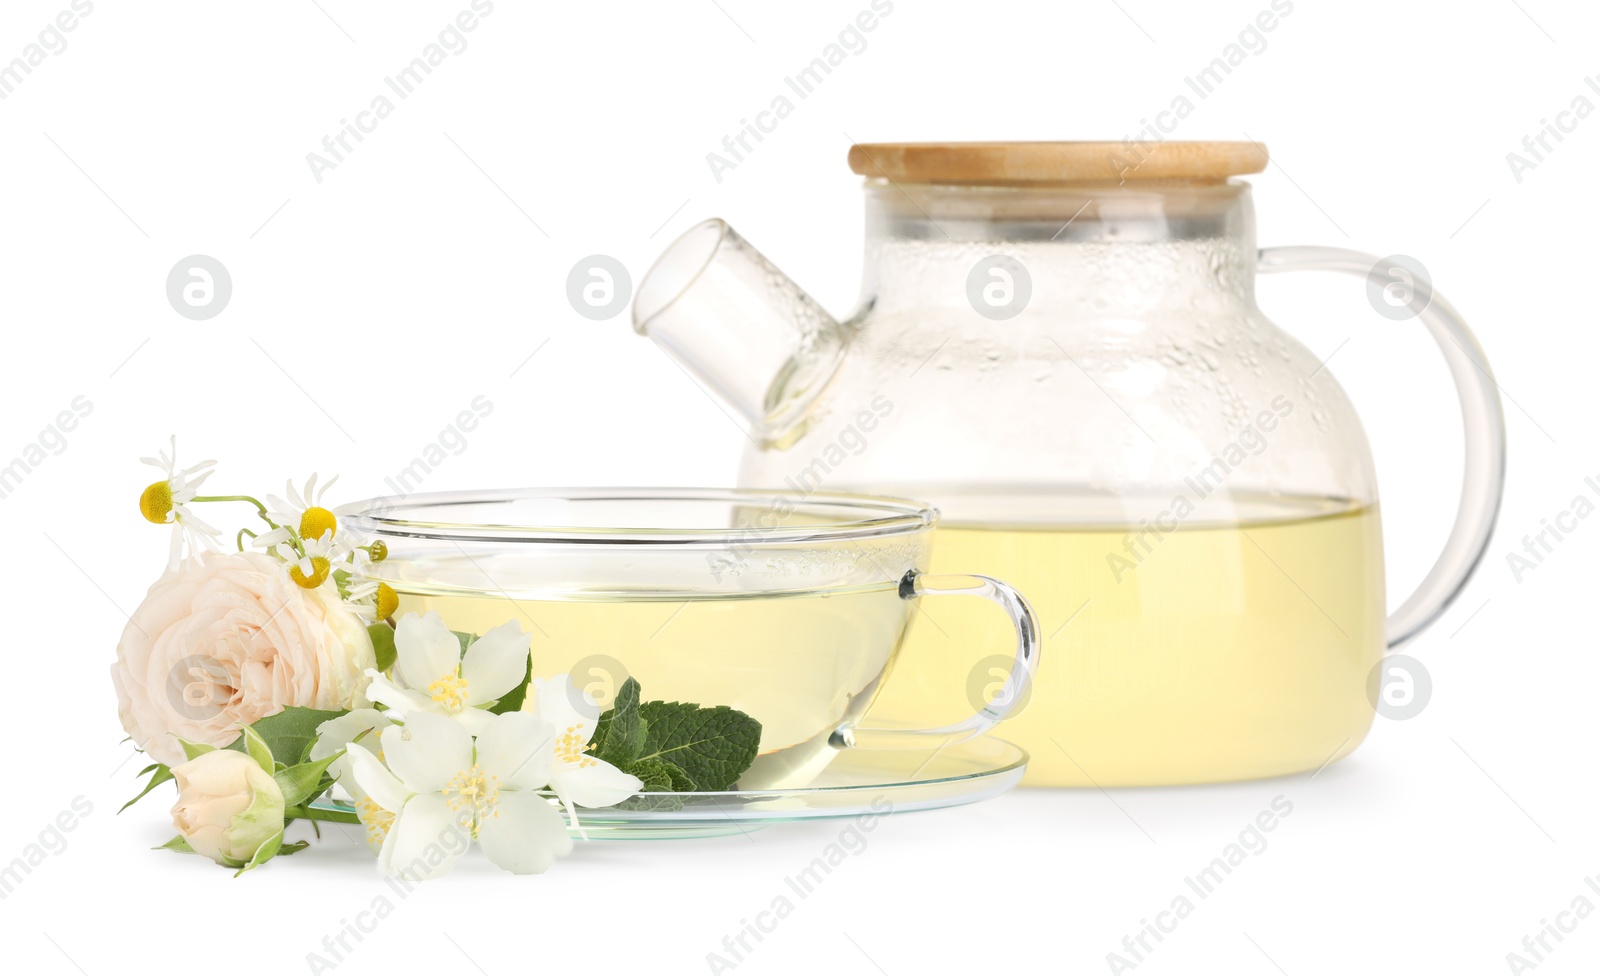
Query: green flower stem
[
  {"x": 238, "y": 540},
  {"x": 327, "y": 816},
  {"x": 260, "y": 508}
]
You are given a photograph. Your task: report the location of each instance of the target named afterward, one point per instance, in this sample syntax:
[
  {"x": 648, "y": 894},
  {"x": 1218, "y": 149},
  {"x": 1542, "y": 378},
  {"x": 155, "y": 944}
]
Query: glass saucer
[{"x": 858, "y": 782}]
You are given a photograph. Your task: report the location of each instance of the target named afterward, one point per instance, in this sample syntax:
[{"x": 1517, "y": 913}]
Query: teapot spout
[{"x": 741, "y": 327}]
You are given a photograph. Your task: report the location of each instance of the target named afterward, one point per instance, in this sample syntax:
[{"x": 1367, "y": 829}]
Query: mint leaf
[
  {"x": 289, "y": 733},
  {"x": 681, "y": 783},
  {"x": 159, "y": 774},
  {"x": 713, "y": 746},
  {"x": 383, "y": 645},
  {"x": 653, "y": 775},
  {"x": 619, "y": 736},
  {"x": 659, "y": 777},
  {"x": 674, "y": 747}
]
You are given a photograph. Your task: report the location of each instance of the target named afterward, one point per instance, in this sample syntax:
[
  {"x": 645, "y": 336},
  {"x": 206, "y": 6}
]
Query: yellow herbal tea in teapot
[{"x": 1178, "y": 657}]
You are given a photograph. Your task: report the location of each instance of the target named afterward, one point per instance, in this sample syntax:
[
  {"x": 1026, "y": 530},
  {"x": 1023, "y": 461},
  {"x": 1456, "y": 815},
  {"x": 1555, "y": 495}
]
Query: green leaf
[
  {"x": 290, "y": 733},
  {"x": 176, "y": 844},
  {"x": 266, "y": 852},
  {"x": 258, "y": 750},
  {"x": 302, "y": 782},
  {"x": 714, "y": 746},
  {"x": 681, "y": 782},
  {"x": 653, "y": 775},
  {"x": 619, "y": 736},
  {"x": 675, "y": 747},
  {"x": 383, "y": 644},
  {"x": 465, "y": 639},
  {"x": 295, "y": 848},
  {"x": 512, "y": 700},
  {"x": 656, "y": 776},
  {"x": 161, "y": 775},
  {"x": 194, "y": 749}
]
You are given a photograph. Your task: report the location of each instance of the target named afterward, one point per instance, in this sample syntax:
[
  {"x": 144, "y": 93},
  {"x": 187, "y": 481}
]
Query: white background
[{"x": 369, "y": 308}]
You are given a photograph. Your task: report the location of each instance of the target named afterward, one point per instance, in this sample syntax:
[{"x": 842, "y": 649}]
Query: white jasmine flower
[
  {"x": 361, "y": 729},
  {"x": 165, "y": 502},
  {"x": 434, "y": 677},
  {"x": 444, "y": 790},
  {"x": 576, "y": 776}
]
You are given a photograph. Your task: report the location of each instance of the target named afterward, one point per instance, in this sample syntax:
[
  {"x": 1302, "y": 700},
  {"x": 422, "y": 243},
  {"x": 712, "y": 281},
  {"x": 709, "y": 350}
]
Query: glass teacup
[{"x": 791, "y": 610}]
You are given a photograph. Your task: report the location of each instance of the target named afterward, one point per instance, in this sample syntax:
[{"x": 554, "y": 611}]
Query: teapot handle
[{"x": 1481, "y": 413}]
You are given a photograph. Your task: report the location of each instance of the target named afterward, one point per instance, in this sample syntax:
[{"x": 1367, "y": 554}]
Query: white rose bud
[{"x": 228, "y": 806}]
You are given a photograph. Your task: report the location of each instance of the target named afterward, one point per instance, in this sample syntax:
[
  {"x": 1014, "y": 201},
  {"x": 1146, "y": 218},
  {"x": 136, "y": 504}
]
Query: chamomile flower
[
  {"x": 299, "y": 511},
  {"x": 370, "y": 598},
  {"x": 166, "y": 502},
  {"x": 311, "y": 568}
]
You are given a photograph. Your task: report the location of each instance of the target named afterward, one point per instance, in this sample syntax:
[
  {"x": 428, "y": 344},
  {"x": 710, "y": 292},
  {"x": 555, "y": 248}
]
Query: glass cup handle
[
  {"x": 915, "y": 585},
  {"x": 1481, "y": 413}
]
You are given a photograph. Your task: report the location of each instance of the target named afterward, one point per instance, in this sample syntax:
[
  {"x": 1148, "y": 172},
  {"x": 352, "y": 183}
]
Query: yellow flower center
[
  {"x": 376, "y": 819},
  {"x": 388, "y": 601},
  {"x": 155, "y": 504},
  {"x": 316, "y": 522},
  {"x": 570, "y": 747},
  {"x": 450, "y": 691},
  {"x": 319, "y": 573},
  {"x": 473, "y": 794}
]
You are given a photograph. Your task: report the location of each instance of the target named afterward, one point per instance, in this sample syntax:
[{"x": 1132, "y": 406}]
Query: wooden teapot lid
[{"x": 1023, "y": 163}]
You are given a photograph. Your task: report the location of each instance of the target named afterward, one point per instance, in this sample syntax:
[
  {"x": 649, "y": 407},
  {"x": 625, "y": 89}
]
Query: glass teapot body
[
  {"x": 1079, "y": 379},
  {"x": 1060, "y": 349}
]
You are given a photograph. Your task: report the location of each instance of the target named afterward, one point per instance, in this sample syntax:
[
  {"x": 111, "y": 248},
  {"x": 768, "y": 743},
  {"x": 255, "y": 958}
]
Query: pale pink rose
[
  {"x": 227, "y": 806},
  {"x": 227, "y": 640}
]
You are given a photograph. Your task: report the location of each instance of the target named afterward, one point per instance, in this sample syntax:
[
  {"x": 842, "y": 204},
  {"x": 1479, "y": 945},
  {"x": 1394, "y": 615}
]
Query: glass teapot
[{"x": 1059, "y": 347}]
